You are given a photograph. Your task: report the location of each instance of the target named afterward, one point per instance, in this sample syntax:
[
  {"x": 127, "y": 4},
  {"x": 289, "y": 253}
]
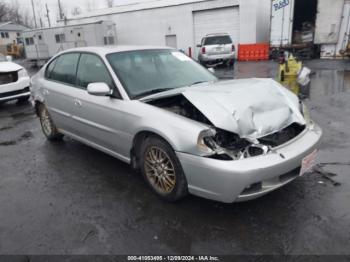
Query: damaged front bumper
[{"x": 241, "y": 180}]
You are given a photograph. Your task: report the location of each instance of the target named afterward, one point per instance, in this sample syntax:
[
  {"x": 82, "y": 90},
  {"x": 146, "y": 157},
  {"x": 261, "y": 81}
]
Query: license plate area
[{"x": 308, "y": 162}]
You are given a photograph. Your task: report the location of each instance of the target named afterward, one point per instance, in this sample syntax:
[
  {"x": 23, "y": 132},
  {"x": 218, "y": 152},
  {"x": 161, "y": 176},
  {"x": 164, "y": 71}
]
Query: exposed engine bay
[
  {"x": 180, "y": 105},
  {"x": 227, "y": 145}
]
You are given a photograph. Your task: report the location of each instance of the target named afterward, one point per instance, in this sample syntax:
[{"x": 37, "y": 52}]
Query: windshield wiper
[
  {"x": 198, "y": 82},
  {"x": 150, "y": 92}
]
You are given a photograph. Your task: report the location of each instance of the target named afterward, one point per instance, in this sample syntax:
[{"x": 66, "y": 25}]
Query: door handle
[{"x": 77, "y": 102}]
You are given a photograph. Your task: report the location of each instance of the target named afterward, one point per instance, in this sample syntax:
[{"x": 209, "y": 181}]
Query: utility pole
[
  {"x": 60, "y": 9},
  {"x": 36, "y": 26},
  {"x": 47, "y": 15}
]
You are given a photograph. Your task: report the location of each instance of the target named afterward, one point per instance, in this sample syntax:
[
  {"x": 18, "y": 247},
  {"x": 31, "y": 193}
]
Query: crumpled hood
[
  {"x": 9, "y": 67},
  {"x": 251, "y": 108}
]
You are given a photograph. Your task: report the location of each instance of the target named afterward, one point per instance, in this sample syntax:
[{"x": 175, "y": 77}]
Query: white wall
[
  {"x": 263, "y": 21},
  {"x": 333, "y": 50},
  {"x": 12, "y": 37},
  {"x": 150, "y": 26},
  {"x": 248, "y": 18}
]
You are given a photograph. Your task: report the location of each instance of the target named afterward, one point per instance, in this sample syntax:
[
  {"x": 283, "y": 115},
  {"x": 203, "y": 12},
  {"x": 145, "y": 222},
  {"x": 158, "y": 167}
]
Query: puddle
[
  {"x": 328, "y": 176},
  {"x": 326, "y": 86},
  {"x": 25, "y": 136}
]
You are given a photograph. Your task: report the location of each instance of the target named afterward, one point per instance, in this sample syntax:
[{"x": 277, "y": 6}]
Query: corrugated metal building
[{"x": 182, "y": 23}]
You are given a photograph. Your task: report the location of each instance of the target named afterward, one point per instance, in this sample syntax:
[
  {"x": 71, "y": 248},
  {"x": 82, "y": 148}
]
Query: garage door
[{"x": 221, "y": 20}]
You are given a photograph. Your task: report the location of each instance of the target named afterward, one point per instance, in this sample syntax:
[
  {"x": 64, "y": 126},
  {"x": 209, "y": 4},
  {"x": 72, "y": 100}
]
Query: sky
[{"x": 68, "y": 7}]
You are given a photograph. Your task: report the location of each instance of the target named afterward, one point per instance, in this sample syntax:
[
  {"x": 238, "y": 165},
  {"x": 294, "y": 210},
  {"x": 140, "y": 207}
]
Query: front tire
[
  {"x": 47, "y": 125},
  {"x": 162, "y": 170}
]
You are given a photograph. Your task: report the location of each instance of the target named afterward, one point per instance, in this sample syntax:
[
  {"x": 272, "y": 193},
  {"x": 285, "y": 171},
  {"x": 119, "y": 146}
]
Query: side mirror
[
  {"x": 9, "y": 58},
  {"x": 211, "y": 70},
  {"x": 98, "y": 89},
  {"x": 199, "y": 45}
]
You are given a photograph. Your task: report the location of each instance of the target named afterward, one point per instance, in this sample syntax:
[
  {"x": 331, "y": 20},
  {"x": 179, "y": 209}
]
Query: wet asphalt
[{"x": 67, "y": 198}]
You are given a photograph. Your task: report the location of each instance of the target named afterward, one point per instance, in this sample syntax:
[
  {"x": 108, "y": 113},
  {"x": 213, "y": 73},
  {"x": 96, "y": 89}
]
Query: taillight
[
  {"x": 233, "y": 48},
  {"x": 203, "y": 50}
]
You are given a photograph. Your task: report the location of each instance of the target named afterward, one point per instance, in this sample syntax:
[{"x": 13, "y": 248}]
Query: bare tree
[
  {"x": 6, "y": 12},
  {"x": 11, "y": 12}
]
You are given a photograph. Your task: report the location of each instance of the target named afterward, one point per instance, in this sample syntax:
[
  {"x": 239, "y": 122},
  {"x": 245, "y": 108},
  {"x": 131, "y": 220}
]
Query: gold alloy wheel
[
  {"x": 159, "y": 170},
  {"x": 45, "y": 121}
]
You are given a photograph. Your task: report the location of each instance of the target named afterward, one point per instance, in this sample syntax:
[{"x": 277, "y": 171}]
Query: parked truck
[
  {"x": 309, "y": 28},
  {"x": 41, "y": 44}
]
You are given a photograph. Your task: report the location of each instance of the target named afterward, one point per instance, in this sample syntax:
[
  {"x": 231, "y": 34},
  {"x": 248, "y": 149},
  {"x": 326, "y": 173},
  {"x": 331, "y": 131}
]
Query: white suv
[
  {"x": 14, "y": 81},
  {"x": 216, "y": 49}
]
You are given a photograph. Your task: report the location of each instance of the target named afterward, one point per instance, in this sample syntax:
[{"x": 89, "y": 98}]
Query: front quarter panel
[{"x": 180, "y": 132}]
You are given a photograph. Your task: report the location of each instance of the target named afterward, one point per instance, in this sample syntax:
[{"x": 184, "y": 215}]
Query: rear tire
[
  {"x": 47, "y": 125},
  {"x": 162, "y": 170}
]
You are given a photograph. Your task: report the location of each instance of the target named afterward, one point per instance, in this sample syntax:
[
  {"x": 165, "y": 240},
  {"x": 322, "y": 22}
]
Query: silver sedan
[{"x": 172, "y": 119}]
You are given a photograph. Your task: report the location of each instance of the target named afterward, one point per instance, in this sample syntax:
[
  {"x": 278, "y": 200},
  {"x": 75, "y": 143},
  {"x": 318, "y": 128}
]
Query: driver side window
[{"x": 91, "y": 69}]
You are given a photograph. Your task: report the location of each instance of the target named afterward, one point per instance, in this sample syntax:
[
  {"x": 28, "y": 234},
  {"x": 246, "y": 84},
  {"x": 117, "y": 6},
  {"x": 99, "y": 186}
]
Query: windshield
[
  {"x": 2, "y": 58},
  {"x": 144, "y": 72},
  {"x": 218, "y": 40}
]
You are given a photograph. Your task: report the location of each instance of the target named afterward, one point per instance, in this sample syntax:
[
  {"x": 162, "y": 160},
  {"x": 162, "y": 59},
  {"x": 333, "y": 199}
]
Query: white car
[{"x": 14, "y": 81}]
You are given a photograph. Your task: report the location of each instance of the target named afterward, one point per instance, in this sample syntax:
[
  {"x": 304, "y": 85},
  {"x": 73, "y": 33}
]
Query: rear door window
[
  {"x": 49, "y": 68},
  {"x": 65, "y": 68},
  {"x": 218, "y": 40}
]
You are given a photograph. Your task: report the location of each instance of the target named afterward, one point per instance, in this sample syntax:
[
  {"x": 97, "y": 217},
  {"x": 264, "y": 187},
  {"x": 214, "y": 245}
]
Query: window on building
[
  {"x": 108, "y": 40},
  {"x": 7, "y": 34},
  {"x": 60, "y": 38},
  {"x": 18, "y": 34},
  {"x": 2, "y": 35},
  {"x": 29, "y": 41}
]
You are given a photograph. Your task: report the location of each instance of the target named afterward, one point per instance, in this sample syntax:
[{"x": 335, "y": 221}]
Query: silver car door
[
  {"x": 58, "y": 90},
  {"x": 100, "y": 118}
]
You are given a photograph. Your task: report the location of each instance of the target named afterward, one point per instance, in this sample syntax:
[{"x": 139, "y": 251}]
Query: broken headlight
[
  {"x": 205, "y": 141},
  {"x": 306, "y": 113},
  {"x": 224, "y": 145}
]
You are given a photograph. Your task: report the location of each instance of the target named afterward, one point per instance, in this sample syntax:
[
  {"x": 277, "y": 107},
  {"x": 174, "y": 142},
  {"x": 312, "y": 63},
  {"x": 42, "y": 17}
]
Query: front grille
[
  {"x": 282, "y": 136},
  {"x": 13, "y": 93},
  {"x": 8, "y": 77}
]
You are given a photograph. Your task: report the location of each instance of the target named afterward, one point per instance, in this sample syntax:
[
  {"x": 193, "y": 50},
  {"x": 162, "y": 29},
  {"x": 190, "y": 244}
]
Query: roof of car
[
  {"x": 103, "y": 50},
  {"x": 216, "y": 34}
]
